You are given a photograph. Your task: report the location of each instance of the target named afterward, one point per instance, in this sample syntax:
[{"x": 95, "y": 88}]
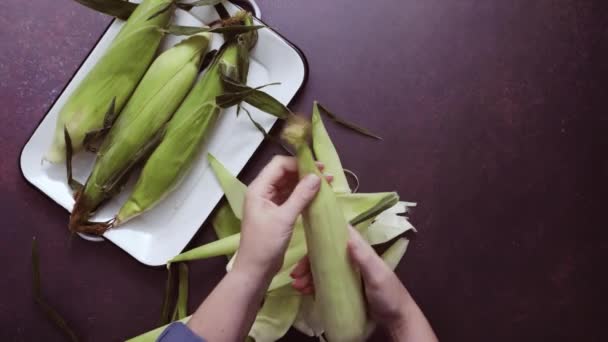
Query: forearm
[
  {"x": 229, "y": 311},
  {"x": 411, "y": 325}
]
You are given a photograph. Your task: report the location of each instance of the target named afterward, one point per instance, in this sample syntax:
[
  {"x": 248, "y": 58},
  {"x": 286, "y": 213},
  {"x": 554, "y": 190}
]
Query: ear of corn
[
  {"x": 115, "y": 76},
  {"x": 326, "y": 153},
  {"x": 276, "y": 315},
  {"x": 337, "y": 283},
  {"x": 185, "y": 134},
  {"x": 138, "y": 127}
]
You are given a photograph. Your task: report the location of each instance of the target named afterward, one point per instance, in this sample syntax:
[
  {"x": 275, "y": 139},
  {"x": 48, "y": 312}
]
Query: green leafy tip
[{"x": 347, "y": 124}]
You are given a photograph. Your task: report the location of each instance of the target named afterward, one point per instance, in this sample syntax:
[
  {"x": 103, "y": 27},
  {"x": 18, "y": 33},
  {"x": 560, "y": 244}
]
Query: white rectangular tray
[{"x": 163, "y": 232}]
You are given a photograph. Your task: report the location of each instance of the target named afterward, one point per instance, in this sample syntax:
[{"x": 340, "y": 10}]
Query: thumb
[
  {"x": 364, "y": 256},
  {"x": 302, "y": 195}
]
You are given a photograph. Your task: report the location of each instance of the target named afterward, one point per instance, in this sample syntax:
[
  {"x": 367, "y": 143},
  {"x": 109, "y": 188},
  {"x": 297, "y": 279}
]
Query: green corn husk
[
  {"x": 337, "y": 284},
  {"x": 326, "y": 153},
  {"x": 227, "y": 224},
  {"x": 139, "y": 126},
  {"x": 112, "y": 79},
  {"x": 187, "y": 130},
  {"x": 181, "y": 307},
  {"x": 276, "y": 315},
  {"x": 232, "y": 187}
]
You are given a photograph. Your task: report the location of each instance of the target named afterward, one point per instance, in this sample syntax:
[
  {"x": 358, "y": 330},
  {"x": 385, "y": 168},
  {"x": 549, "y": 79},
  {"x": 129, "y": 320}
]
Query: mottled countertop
[{"x": 493, "y": 115}]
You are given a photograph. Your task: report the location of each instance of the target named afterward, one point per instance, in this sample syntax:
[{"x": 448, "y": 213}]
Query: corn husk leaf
[
  {"x": 162, "y": 10},
  {"x": 354, "y": 207},
  {"x": 50, "y": 313},
  {"x": 117, "y": 8},
  {"x": 233, "y": 188},
  {"x": 380, "y": 206},
  {"x": 370, "y": 204},
  {"x": 186, "y": 6},
  {"x": 347, "y": 124},
  {"x": 326, "y": 153},
  {"x": 238, "y": 92},
  {"x": 152, "y": 335},
  {"x": 225, "y": 246},
  {"x": 276, "y": 315},
  {"x": 308, "y": 321},
  {"x": 388, "y": 225},
  {"x": 166, "y": 306},
  {"x": 261, "y": 129},
  {"x": 225, "y": 223},
  {"x": 181, "y": 307},
  {"x": 393, "y": 255},
  {"x": 179, "y": 30}
]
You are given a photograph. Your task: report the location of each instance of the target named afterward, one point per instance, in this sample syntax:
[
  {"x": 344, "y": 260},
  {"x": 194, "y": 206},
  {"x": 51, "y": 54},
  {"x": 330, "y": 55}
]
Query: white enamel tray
[{"x": 163, "y": 232}]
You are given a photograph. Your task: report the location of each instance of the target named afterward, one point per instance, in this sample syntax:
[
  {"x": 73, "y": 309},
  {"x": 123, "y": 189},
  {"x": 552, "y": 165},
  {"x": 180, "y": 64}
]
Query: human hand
[
  {"x": 272, "y": 204},
  {"x": 387, "y": 299}
]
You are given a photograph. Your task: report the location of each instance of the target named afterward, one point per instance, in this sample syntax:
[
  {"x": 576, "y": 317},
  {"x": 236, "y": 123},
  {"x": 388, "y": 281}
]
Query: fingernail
[{"x": 312, "y": 181}]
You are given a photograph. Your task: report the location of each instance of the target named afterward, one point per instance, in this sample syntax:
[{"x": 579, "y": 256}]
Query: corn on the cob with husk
[
  {"x": 337, "y": 284},
  {"x": 186, "y": 131},
  {"x": 112, "y": 80},
  {"x": 139, "y": 126}
]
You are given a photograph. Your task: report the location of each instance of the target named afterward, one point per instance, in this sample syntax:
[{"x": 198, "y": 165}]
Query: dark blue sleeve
[{"x": 178, "y": 332}]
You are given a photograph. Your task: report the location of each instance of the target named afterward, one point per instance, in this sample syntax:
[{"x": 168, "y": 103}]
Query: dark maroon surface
[{"x": 493, "y": 114}]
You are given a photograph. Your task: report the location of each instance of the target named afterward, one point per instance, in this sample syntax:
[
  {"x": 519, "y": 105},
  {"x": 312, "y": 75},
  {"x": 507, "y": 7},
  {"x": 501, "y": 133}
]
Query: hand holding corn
[
  {"x": 388, "y": 301},
  {"x": 273, "y": 202}
]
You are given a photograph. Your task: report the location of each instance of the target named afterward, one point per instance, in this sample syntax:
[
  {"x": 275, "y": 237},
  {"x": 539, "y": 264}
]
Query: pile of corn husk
[{"x": 379, "y": 217}]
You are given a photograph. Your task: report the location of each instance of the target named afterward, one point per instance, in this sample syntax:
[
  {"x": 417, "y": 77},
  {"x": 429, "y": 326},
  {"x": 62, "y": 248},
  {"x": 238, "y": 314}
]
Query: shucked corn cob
[
  {"x": 188, "y": 128},
  {"x": 113, "y": 78},
  {"x": 337, "y": 283},
  {"x": 139, "y": 127}
]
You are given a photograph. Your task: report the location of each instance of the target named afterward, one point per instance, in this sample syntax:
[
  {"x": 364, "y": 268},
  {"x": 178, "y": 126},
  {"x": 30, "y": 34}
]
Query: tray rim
[{"x": 293, "y": 46}]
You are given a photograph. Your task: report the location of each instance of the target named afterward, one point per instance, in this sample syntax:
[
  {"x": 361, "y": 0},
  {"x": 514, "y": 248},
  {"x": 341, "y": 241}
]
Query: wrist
[
  {"x": 399, "y": 324},
  {"x": 252, "y": 270}
]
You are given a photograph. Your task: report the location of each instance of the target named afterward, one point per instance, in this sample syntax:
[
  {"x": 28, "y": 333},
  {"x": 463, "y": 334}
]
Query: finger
[
  {"x": 302, "y": 268},
  {"x": 301, "y": 196},
  {"x": 364, "y": 256},
  {"x": 307, "y": 290},
  {"x": 286, "y": 186},
  {"x": 302, "y": 282},
  {"x": 273, "y": 173}
]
